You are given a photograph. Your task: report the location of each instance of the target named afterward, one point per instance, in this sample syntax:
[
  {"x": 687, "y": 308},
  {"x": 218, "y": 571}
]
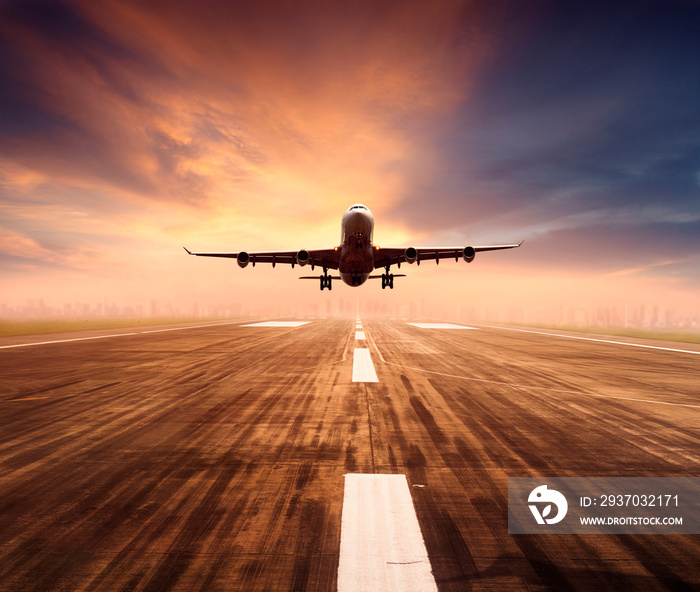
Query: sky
[{"x": 129, "y": 129}]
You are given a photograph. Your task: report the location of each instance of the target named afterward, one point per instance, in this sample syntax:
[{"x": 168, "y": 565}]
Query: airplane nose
[
  {"x": 358, "y": 225},
  {"x": 358, "y": 219}
]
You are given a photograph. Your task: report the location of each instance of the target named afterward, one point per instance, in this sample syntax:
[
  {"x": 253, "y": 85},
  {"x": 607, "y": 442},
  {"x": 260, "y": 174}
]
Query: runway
[{"x": 214, "y": 457}]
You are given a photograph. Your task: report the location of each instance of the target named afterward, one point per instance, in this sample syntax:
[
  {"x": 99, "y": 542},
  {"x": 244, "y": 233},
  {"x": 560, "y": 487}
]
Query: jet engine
[
  {"x": 468, "y": 253},
  {"x": 411, "y": 254},
  {"x": 243, "y": 259},
  {"x": 303, "y": 257}
]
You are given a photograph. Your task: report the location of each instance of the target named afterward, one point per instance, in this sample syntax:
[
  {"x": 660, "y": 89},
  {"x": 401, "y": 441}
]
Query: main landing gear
[
  {"x": 388, "y": 280},
  {"x": 326, "y": 281}
]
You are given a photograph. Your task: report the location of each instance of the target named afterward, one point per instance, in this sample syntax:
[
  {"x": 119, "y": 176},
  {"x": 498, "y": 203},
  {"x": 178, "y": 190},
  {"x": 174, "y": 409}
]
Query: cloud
[
  {"x": 144, "y": 96},
  {"x": 579, "y": 134},
  {"x": 13, "y": 244},
  {"x": 135, "y": 127}
]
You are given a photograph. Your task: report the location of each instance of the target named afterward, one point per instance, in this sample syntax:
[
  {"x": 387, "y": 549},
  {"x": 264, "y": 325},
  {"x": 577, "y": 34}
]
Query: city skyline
[{"x": 645, "y": 316}]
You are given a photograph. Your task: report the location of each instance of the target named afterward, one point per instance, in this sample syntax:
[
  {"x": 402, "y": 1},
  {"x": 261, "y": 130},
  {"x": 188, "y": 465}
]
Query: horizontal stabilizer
[
  {"x": 317, "y": 277},
  {"x": 378, "y": 277}
]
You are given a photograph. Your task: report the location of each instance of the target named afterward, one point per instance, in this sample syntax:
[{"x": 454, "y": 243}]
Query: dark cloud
[
  {"x": 59, "y": 21},
  {"x": 582, "y": 108},
  {"x": 69, "y": 92},
  {"x": 41, "y": 36},
  {"x": 634, "y": 246}
]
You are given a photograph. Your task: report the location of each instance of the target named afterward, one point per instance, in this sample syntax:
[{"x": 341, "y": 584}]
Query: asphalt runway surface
[{"x": 214, "y": 457}]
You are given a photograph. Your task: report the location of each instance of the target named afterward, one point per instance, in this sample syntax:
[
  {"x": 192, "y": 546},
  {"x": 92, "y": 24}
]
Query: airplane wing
[
  {"x": 384, "y": 256},
  {"x": 327, "y": 258}
]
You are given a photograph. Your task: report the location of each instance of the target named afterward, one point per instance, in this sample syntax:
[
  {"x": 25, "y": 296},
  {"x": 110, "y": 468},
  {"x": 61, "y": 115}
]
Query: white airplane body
[{"x": 356, "y": 257}]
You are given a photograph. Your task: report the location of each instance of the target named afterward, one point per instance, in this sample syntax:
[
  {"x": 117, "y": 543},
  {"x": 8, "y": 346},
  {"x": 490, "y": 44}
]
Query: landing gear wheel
[
  {"x": 388, "y": 280},
  {"x": 326, "y": 282}
]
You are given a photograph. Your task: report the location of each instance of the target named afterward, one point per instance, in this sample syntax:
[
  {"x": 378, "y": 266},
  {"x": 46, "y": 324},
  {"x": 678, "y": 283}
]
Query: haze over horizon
[{"x": 130, "y": 129}]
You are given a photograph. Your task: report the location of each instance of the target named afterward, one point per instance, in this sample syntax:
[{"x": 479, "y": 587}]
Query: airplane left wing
[
  {"x": 387, "y": 256},
  {"x": 326, "y": 258}
]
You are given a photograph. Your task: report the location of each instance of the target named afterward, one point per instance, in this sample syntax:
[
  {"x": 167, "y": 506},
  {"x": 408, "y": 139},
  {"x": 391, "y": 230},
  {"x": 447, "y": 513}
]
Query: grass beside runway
[{"x": 14, "y": 328}]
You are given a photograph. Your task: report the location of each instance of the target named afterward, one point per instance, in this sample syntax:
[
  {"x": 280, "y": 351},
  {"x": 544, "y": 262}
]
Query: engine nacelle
[
  {"x": 468, "y": 253},
  {"x": 242, "y": 259},
  {"x": 303, "y": 257},
  {"x": 411, "y": 254}
]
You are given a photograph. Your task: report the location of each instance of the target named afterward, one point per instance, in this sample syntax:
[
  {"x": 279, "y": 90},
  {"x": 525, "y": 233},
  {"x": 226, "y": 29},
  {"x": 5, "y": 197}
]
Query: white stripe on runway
[
  {"x": 115, "y": 335},
  {"x": 66, "y": 340},
  {"x": 359, "y": 334},
  {"x": 381, "y": 545},
  {"x": 362, "y": 366},
  {"x": 671, "y": 349}
]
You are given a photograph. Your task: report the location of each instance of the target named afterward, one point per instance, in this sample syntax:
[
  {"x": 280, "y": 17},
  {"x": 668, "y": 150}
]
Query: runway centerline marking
[
  {"x": 359, "y": 335},
  {"x": 362, "y": 366},
  {"x": 671, "y": 349},
  {"x": 381, "y": 544},
  {"x": 439, "y": 326}
]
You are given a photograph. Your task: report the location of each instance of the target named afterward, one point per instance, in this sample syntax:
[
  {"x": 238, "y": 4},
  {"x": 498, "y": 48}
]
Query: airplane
[{"x": 356, "y": 257}]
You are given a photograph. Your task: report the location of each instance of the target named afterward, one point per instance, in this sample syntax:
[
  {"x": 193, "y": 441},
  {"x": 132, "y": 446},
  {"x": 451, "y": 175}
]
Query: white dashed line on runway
[
  {"x": 381, "y": 544},
  {"x": 362, "y": 366}
]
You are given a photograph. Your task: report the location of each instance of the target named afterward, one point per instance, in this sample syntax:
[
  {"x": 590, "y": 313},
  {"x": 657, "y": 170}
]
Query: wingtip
[{"x": 188, "y": 251}]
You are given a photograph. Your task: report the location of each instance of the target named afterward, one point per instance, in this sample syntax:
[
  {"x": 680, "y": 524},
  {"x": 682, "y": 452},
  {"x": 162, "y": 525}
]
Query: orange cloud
[{"x": 247, "y": 115}]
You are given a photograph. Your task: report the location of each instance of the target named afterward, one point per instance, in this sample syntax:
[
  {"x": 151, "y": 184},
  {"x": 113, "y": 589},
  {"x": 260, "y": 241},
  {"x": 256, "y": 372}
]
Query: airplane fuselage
[{"x": 356, "y": 252}]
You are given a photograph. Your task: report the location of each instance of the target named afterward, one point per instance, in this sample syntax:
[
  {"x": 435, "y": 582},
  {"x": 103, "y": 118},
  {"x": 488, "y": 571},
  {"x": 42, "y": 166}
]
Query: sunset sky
[{"x": 131, "y": 128}]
